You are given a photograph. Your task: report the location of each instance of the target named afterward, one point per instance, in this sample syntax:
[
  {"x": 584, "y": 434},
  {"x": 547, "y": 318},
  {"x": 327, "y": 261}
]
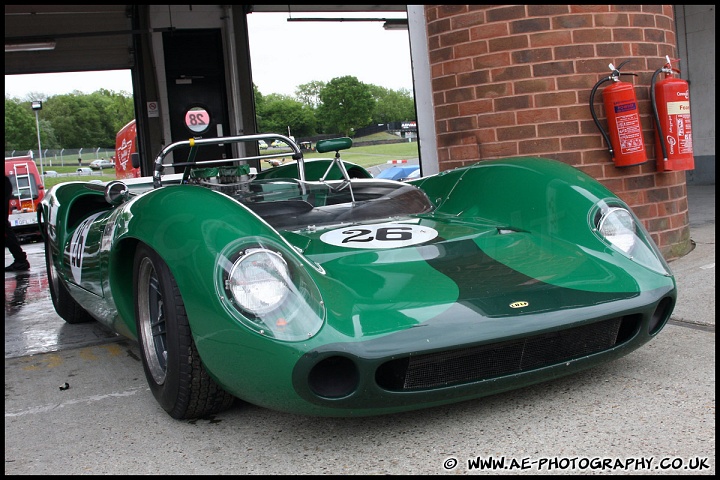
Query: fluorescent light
[
  {"x": 389, "y": 23},
  {"x": 29, "y": 46},
  {"x": 396, "y": 24}
]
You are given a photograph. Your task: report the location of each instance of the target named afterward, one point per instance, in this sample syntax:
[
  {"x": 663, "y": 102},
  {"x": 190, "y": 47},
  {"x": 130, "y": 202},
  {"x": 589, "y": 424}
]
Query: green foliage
[
  {"x": 79, "y": 120},
  {"x": 119, "y": 109},
  {"x": 20, "y": 128},
  {"x": 88, "y": 120},
  {"x": 275, "y": 113},
  {"x": 309, "y": 93},
  {"x": 74, "y": 120},
  {"x": 346, "y": 104},
  {"x": 392, "y": 106},
  {"x": 48, "y": 139},
  {"x": 340, "y": 106}
]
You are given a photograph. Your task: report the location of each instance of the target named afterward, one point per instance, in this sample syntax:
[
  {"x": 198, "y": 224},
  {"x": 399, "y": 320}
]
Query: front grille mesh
[{"x": 494, "y": 360}]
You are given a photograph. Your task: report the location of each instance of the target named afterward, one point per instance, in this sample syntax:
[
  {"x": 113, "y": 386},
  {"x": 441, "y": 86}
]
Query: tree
[
  {"x": 392, "y": 105},
  {"x": 47, "y": 135},
  {"x": 309, "y": 93},
  {"x": 20, "y": 129},
  {"x": 275, "y": 113},
  {"x": 119, "y": 109},
  {"x": 92, "y": 120},
  {"x": 346, "y": 104},
  {"x": 79, "y": 120},
  {"x": 259, "y": 100}
]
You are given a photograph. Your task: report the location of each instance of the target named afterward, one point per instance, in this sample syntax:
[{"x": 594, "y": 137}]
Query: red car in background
[
  {"x": 125, "y": 146},
  {"x": 28, "y": 192}
]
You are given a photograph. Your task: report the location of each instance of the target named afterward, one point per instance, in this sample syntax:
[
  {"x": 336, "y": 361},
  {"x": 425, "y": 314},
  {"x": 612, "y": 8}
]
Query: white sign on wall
[{"x": 153, "y": 109}]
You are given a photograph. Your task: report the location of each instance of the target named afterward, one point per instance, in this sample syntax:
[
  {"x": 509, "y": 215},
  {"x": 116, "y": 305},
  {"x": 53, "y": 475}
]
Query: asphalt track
[{"x": 651, "y": 412}]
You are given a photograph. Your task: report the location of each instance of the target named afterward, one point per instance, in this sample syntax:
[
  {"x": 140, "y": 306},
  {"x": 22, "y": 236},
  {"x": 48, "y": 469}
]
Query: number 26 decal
[
  {"x": 381, "y": 234},
  {"x": 386, "y": 235}
]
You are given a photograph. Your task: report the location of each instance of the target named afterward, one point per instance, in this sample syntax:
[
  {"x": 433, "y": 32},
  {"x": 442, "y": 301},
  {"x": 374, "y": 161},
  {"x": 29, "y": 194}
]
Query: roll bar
[{"x": 193, "y": 144}]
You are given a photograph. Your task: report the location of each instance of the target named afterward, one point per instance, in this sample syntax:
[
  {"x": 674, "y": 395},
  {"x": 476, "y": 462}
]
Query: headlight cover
[
  {"x": 259, "y": 281},
  {"x": 269, "y": 295},
  {"x": 617, "y": 225}
]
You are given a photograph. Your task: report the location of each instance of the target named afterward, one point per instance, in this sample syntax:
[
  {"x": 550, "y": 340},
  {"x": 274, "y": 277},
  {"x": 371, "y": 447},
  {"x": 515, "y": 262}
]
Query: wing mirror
[{"x": 116, "y": 192}]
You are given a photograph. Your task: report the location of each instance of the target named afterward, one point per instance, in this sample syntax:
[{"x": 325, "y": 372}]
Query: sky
[{"x": 284, "y": 55}]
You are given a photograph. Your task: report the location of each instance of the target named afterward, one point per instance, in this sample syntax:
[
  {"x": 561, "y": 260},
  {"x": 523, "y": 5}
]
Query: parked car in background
[
  {"x": 413, "y": 175},
  {"x": 320, "y": 293},
  {"x": 102, "y": 163},
  {"x": 50, "y": 173},
  {"x": 400, "y": 172},
  {"x": 262, "y": 144},
  {"x": 84, "y": 171},
  {"x": 28, "y": 192}
]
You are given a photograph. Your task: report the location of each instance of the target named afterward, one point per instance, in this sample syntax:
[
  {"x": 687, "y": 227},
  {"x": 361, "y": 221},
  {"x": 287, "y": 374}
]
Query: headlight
[
  {"x": 270, "y": 295},
  {"x": 259, "y": 281},
  {"x": 618, "y": 226}
]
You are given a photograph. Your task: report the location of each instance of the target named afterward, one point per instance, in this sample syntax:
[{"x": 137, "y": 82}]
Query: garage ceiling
[
  {"x": 87, "y": 37},
  {"x": 99, "y": 37}
]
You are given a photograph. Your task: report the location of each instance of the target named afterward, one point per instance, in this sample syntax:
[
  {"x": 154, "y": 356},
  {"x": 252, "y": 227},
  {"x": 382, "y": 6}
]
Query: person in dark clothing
[{"x": 20, "y": 262}]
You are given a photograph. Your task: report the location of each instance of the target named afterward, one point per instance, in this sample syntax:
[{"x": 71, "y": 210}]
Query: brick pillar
[{"x": 515, "y": 80}]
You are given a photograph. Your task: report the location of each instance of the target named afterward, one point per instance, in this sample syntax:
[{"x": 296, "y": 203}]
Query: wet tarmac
[{"x": 31, "y": 324}]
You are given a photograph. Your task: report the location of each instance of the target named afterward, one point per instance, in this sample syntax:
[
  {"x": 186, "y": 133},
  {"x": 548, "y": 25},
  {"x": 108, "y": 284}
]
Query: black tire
[
  {"x": 65, "y": 306},
  {"x": 173, "y": 368}
]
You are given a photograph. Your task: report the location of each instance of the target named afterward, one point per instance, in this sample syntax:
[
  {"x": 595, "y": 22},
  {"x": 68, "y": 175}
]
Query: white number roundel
[{"x": 383, "y": 235}]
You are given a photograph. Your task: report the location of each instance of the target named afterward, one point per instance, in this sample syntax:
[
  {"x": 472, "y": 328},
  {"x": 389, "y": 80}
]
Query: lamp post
[{"x": 37, "y": 106}]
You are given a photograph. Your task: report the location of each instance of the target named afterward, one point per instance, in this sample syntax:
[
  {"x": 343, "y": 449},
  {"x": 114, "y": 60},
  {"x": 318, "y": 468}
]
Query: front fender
[
  {"x": 550, "y": 213},
  {"x": 186, "y": 224},
  {"x": 556, "y": 198},
  {"x": 189, "y": 227}
]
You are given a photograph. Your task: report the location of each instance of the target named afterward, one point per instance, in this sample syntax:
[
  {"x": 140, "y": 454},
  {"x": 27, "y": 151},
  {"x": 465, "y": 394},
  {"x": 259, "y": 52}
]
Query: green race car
[{"x": 319, "y": 290}]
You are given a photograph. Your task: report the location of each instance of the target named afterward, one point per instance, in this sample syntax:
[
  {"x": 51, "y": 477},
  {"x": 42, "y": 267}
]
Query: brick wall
[{"x": 513, "y": 80}]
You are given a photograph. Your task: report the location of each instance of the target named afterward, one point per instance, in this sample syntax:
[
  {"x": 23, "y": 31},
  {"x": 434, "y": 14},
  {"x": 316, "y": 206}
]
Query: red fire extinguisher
[
  {"x": 670, "y": 100},
  {"x": 625, "y": 144}
]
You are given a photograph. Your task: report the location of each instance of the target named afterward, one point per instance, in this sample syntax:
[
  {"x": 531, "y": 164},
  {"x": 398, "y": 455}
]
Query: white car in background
[{"x": 102, "y": 163}]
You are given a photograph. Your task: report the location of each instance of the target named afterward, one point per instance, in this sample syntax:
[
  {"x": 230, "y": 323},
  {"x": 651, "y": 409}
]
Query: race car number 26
[{"x": 384, "y": 235}]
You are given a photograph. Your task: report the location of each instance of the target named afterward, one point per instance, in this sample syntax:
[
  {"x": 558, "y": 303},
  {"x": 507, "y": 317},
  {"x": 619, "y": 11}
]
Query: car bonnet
[{"x": 385, "y": 287}]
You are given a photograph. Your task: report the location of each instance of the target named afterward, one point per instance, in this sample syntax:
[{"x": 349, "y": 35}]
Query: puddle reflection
[{"x": 16, "y": 288}]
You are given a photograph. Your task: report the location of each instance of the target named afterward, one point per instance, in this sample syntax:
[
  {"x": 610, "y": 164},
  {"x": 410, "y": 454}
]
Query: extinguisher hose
[
  {"x": 595, "y": 118},
  {"x": 656, "y": 116}
]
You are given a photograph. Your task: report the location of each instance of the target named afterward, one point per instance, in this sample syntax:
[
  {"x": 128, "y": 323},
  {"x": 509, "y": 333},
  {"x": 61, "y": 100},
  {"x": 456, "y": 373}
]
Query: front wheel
[{"x": 176, "y": 376}]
